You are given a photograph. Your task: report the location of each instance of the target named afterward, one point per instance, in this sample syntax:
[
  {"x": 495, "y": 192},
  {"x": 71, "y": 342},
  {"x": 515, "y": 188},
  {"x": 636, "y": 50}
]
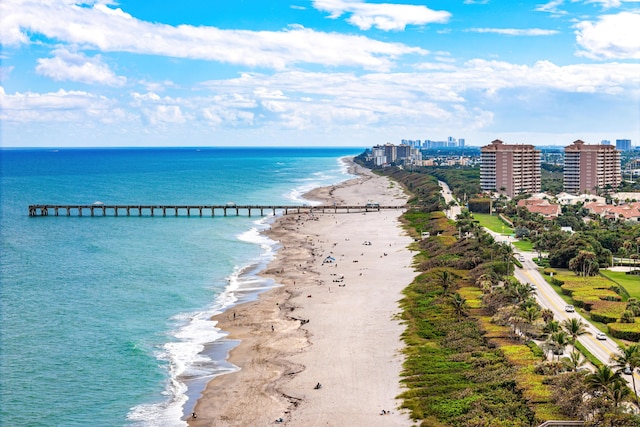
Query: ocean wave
[
  {"x": 186, "y": 356},
  {"x": 320, "y": 179}
]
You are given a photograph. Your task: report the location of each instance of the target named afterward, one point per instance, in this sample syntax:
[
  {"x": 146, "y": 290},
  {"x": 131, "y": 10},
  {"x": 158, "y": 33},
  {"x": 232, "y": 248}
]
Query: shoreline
[{"x": 286, "y": 344}]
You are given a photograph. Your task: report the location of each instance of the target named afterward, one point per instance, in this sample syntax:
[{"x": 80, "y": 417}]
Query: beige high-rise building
[
  {"x": 589, "y": 168},
  {"x": 510, "y": 169}
]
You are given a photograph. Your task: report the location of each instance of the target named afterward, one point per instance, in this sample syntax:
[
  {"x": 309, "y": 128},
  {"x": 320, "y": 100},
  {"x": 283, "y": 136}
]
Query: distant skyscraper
[
  {"x": 605, "y": 142},
  {"x": 460, "y": 142},
  {"x": 623, "y": 144},
  {"x": 510, "y": 169},
  {"x": 590, "y": 167}
]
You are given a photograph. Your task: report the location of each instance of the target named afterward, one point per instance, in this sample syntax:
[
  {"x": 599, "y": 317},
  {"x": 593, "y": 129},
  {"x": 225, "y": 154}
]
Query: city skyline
[{"x": 109, "y": 73}]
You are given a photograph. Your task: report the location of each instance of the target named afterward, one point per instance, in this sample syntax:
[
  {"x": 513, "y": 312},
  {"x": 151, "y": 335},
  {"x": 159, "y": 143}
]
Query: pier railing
[{"x": 197, "y": 210}]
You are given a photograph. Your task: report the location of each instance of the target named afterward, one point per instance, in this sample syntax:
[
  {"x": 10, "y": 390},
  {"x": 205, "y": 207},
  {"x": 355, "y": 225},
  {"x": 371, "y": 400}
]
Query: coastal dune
[{"x": 331, "y": 321}]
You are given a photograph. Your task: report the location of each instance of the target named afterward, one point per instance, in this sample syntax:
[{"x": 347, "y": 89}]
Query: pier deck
[{"x": 197, "y": 210}]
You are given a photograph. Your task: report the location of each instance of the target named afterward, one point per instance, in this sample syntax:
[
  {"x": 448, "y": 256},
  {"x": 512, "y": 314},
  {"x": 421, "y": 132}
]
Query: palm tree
[
  {"x": 547, "y": 315},
  {"x": 601, "y": 381},
  {"x": 459, "y": 304},
  {"x": 530, "y": 315},
  {"x": 446, "y": 279},
  {"x": 628, "y": 358},
  {"x": 574, "y": 361},
  {"x": 521, "y": 292},
  {"x": 558, "y": 341},
  {"x": 552, "y": 327},
  {"x": 485, "y": 283},
  {"x": 506, "y": 251},
  {"x": 574, "y": 327},
  {"x": 619, "y": 393}
]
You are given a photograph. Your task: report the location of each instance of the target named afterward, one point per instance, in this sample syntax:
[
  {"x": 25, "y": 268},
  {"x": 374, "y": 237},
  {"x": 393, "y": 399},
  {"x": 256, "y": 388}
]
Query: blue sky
[{"x": 317, "y": 72}]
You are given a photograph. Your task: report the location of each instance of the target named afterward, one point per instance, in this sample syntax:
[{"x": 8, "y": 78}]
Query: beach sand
[{"x": 332, "y": 323}]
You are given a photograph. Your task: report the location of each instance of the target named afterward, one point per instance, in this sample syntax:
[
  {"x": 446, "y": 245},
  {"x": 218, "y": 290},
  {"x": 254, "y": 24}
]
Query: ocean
[{"x": 104, "y": 321}]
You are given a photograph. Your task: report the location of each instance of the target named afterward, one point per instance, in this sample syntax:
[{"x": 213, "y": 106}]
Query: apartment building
[
  {"x": 623, "y": 144},
  {"x": 510, "y": 169},
  {"x": 588, "y": 168}
]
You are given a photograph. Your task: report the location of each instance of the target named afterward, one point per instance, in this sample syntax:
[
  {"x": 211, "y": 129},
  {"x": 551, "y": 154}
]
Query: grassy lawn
[
  {"x": 629, "y": 282},
  {"x": 493, "y": 223},
  {"x": 524, "y": 245}
]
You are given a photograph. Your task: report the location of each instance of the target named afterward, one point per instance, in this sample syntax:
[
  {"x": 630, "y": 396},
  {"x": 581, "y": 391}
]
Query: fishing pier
[{"x": 99, "y": 209}]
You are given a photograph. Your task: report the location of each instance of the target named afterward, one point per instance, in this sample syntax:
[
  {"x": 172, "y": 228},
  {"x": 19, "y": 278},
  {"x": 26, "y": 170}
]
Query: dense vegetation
[{"x": 470, "y": 356}]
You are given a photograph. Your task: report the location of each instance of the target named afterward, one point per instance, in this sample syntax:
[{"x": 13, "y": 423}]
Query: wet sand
[{"x": 329, "y": 321}]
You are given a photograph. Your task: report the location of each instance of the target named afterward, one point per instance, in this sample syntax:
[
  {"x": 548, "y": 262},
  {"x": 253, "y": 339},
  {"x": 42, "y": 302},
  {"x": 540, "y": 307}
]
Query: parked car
[
  {"x": 601, "y": 336},
  {"x": 569, "y": 308}
]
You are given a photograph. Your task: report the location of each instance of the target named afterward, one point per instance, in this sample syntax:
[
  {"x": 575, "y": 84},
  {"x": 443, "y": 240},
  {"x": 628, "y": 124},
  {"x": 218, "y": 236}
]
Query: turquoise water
[{"x": 105, "y": 321}]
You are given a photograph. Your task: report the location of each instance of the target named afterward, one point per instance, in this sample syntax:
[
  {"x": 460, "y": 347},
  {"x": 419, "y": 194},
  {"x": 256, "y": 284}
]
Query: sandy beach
[{"x": 330, "y": 321}]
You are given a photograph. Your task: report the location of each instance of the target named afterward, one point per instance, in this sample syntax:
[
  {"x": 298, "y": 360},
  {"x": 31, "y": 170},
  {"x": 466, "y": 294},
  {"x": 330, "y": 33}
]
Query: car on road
[
  {"x": 601, "y": 336},
  {"x": 627, "y": 371},
  {"x": 533, "y": 287},
  {"x": 569, "y": 309}
]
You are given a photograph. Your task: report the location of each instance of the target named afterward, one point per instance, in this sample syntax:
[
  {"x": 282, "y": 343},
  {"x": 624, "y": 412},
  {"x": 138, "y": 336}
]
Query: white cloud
[
  {"x": 72, "y": 66},
  {"x": 552, "y": 7},
  {"x": 384, "y": 16},
  {"x": 612, "y": 36},
  {"x": 164, "y": 114},
  {"x": 113, "y": 30},
  {"x": 218, "y": 116},
  {"x": 515, "y": 31},
  {"x": 607, "y": 4},
  {"x": 60, "y": 106},
  {"x": 473, "y": 95}
]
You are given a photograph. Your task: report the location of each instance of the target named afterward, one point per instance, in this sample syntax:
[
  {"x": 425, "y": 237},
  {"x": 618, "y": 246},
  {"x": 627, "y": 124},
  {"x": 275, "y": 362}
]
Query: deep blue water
[{"x": 104, "y": 320}]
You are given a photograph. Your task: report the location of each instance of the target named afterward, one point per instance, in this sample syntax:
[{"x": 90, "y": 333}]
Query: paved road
[
  {"x": 455, "y": 210},
  {"x": 546, "y": 296}
]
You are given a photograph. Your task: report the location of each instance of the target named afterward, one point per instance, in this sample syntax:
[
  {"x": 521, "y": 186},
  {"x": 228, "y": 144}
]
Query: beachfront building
[
  {"x": 377, "y": 153},
  {"x": 390, "y": 153},
  {"x": 510, "y": 169},
  {"x": 590, "y": 168}
]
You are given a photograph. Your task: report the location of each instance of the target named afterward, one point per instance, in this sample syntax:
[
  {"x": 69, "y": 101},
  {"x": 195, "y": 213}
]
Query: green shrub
[
  {"x": 625, "y": 331},
  {"x": 627, "y": 317},
  {"x": 549, "y": 271},
  {"x": 607, "y": 311}
]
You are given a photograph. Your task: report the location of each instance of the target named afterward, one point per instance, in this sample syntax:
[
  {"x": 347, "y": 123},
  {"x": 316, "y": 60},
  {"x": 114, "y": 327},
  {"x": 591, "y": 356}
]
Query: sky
[{"x": 352, "y": 73}]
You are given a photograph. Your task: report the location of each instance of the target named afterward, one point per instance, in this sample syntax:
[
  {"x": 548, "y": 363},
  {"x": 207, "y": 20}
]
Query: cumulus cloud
[
  {"x": 164, "y": 114},
  {"x": 515, "y": 31},
  {"x": 60, "y": 106},
  {"x": 383, "y": 16},
  {"x": 108, "y": 29},
  {"x": 72, "y": 66},
  {"x": 611, "y": 37},
  {"x": 468, "y": 95}
]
